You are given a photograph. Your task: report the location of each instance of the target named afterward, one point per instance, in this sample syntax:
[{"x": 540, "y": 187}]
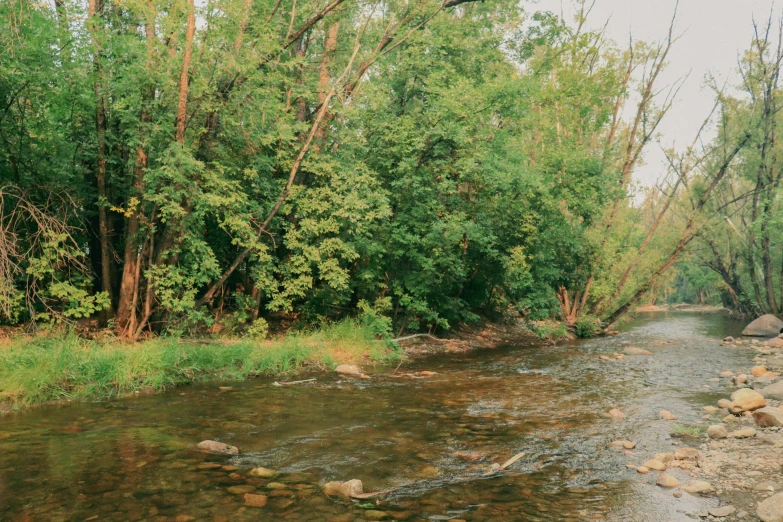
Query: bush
[{"x": 588, "y": 326}]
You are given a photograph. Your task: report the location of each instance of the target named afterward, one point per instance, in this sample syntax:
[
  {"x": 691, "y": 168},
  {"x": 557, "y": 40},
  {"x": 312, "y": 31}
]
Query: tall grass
[{"x": 38, "y": 369}]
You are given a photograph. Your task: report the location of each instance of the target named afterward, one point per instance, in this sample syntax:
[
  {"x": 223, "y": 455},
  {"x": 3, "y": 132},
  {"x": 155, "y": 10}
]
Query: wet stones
[
  {"x": 712, "y": 410},
  {"x": 771, "y": 509},
  {"x": 746, "y": 400},
  {"x": 654, "y": 464},
  {"x": 241, "y": 490},
  {"x": 721, "y": 512},
  {"x": 213, "y": 446},
  {"x": 627, "y": 444},
  {"x": 768, "y": 417},
  {"x": 758, "y": 371},
  {"x": 667, "y": 415},
  {"x": 262, "y": 472},
  {"x": 664, "y": 457},
  {"x": 667, "y": 481},
  {"x": 255, "y": 500},
  {"x": 350, "y": 370},
  {"x": 633, "y": 350},
  {"x": 717, "y": 431},
  {"x": 616, "y": 413},
  {"x": 727, "y": 374},
  {"x": 698, "y": 487},
  {"x": 724, "y": 403},
  {"x": 344, "y": 489}
]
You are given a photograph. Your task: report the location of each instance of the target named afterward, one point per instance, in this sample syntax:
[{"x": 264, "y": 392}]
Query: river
[{"x": 133, "y": 458}]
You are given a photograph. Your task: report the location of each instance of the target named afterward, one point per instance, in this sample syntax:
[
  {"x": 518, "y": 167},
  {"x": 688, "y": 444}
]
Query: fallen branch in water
[
  {"x": 505, "y": 464},
  {"x": 291, "y": 383},
  {"x": 405, "y": 338}
]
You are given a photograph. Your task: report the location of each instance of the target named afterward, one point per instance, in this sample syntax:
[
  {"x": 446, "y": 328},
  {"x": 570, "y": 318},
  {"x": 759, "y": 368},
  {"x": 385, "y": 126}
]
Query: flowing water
[{"x": 134, "y": 458}]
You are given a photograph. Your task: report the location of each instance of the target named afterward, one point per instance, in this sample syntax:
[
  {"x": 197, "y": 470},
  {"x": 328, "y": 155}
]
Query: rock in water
[
  {"x": 255, "y": 500},
  {"x": 746, "y": 400},
  {"x": 777, "y": 342},
  {"x": 773, "y": 391},
  {"x": 718, "y": 431},
  {"x": 349, "y": 369},
  {"x": 615, "y": 413},
  {"x": 724, "y": 403},
  {"x": 758, "y": 371},
  {"x": 667, "y": 481},
  {"x": 657, "y": 465},
  {"x": 768, "y": 417},
  {"x": 632, "y": 350},
  {"x": 667, "y": 415},
  {"x": 765, "y": 326},
  {"x": 771, "y": 510},
  {"x": 721, "y": 512},
  {"x": 712, "y": 410},
  {"x": 697, "y": 487},
  {"x": 262, "y": 472},
  {"x": 344, "y": 489},
  {"x": 218, "y": 447}
]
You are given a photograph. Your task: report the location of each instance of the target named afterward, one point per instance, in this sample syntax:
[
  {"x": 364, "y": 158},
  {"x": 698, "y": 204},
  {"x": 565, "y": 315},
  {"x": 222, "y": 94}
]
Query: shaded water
[{"x": 133, "y": 458}]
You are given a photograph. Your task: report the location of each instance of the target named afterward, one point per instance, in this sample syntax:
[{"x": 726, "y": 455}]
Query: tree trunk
[{"x": 95, "y": 9}]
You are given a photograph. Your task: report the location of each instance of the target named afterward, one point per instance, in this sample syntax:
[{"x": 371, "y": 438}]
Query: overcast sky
[{"x": 713, "y": 33}]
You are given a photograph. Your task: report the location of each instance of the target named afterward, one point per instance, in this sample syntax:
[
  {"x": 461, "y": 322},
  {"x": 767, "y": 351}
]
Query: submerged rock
[
  {"x": 724, "y": 403},
  {"x": 213, "y": 446},
  {"x": 667, "y": 415},
  {"x": 765, "y": 326},
  {"x": 633, "y": 350},
  {"x": 720, "y": 512},
  {"x": 262, "y": 472},
  {"x": 616, "y": 413},
  {"x": 344, "y": 489},
  {"x": 255, "y": 500}
]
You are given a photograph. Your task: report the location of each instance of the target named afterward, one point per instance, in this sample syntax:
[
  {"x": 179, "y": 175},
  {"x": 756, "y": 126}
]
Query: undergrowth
[{"x": 42, "y": 368}]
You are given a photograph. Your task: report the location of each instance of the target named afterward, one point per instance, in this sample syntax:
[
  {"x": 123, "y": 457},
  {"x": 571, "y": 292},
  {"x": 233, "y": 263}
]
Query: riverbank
[
  {"x": 36, "y": 369},
  {"x": 732, "y": 453}
]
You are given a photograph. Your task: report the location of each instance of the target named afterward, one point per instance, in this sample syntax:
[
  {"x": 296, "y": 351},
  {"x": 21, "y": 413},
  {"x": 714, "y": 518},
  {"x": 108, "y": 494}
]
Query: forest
[{"x": 183, "y": 169}]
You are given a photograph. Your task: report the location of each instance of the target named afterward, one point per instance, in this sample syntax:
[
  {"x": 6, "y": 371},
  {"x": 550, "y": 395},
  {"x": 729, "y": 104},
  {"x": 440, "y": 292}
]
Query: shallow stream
[{"x": 134, "y": 458}]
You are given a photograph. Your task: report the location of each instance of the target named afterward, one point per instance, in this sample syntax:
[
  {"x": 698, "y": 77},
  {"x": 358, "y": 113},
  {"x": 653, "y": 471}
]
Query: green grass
[
  {"x": 42, "y": 368},
  {"x": 690, "y": 431}
]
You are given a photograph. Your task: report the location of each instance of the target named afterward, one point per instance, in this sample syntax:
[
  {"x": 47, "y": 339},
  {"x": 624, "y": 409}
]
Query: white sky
[{"x": 713, "y": 33}]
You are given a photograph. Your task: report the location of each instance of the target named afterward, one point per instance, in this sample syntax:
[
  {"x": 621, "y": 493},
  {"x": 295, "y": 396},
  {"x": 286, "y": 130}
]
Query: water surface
[{"x": 134, "y": 458}]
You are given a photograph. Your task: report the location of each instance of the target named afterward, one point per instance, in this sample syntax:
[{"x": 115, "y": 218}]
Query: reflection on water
[{"x": 432, "y": 438}]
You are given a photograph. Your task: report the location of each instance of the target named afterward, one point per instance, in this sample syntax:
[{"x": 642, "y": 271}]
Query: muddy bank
[{"x": 511, "y": 332}]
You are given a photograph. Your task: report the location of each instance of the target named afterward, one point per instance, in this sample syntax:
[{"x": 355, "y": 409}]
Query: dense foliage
[{"x": 178, "y": 167}]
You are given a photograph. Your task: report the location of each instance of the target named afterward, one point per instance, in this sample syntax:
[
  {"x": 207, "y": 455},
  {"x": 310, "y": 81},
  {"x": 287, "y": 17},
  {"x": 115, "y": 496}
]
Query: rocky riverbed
[{"x": 586, "y": 431}]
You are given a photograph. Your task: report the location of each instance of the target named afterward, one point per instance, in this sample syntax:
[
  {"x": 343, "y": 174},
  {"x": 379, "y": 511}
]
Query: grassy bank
[{"x": 42, "y": 368}]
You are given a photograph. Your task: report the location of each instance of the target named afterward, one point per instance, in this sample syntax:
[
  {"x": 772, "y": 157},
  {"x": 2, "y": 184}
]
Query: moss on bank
[{"x": 42, "y": 368}]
